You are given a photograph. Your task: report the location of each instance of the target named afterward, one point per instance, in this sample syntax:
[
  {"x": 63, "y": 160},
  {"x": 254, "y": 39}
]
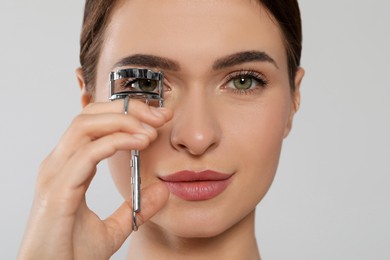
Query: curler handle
[{"x": 135, "y": 186}]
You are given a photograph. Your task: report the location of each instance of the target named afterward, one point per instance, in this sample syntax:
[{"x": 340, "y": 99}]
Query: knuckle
[
  {"x": 45, "y": 171},
  {"x": 92, "y": 153},
  {"x": 87, "y": 155},
  {"x": 79, "y": 122},
  {"x": 43, "y": 165},
  {"x": 88, "y": 108}
]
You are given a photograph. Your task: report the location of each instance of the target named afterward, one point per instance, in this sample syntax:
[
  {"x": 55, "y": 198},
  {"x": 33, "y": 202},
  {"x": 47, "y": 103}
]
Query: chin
[
  {"x": 202, "y": 221},
  {"x": 192, "y": 231}
]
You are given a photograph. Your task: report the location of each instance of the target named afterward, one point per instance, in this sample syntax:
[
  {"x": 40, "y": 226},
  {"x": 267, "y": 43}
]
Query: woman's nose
[{"x": 195, "y": 129}]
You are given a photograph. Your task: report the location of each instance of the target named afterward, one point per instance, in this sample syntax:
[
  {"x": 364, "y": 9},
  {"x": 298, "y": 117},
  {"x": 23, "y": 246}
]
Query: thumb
[{"x": 119, "y": 225}]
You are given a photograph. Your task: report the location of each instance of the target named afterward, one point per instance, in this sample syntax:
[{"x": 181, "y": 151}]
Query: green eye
[
  {"x": 146, "y": 85},
  {"x": 243, "y": 83}
]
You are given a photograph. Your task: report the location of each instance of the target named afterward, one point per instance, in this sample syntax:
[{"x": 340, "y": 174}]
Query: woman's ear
[
  {"x": 295, "y": 99},
  {"x": 85, "y": 95}
]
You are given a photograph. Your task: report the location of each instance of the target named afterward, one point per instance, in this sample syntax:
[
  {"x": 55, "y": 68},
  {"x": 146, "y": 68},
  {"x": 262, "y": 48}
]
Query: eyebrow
[
  {"x": 163, "y": 63},
  {"x": 148, "y": 61},
  {"x": 243, "y": 57}
]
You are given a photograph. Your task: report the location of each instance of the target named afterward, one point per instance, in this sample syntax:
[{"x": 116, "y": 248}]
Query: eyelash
[
  {"x": 259, "y": 79},
  {"x": 127, "y": 83}
]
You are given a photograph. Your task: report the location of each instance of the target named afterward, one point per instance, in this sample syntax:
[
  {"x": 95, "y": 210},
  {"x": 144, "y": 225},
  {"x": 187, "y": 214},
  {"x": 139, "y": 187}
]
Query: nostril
[{"x": 182, "y": 146}]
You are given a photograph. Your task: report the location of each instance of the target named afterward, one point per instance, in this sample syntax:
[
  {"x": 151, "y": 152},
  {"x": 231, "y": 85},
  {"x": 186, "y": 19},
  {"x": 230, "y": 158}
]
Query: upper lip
[{"x": 192, "y": 176}]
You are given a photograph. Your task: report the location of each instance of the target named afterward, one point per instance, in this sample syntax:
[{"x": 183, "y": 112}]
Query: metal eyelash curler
[{"x": 145, "y": 85}]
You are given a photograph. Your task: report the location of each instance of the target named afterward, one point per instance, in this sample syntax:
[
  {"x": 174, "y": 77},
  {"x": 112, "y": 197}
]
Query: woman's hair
[{"x": 96, "y": 16}]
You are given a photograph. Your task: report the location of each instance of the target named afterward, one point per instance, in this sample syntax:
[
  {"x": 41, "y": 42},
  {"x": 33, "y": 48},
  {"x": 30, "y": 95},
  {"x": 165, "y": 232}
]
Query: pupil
[
  {"x": 147, "y": 85},
  {"x": 243, "y": 83}
]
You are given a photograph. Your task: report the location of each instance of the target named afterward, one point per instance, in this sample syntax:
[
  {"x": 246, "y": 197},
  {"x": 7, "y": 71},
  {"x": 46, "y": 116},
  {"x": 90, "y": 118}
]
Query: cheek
[
  {"x": 256, "y": 138},
  {"x": 101, "y": 93},
  {"x": 258, "y": 130},
  {"x": 121, "y": 172}
]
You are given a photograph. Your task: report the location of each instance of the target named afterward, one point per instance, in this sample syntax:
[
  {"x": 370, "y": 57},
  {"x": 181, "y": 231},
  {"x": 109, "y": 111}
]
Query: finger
[
  {"x": 79, "y": 169},
  {"x": 119, "y": 224},
  {"x": 136, "y": 108},
  {"x": 72, "y": 180},
  {"x": 89, "y": 126},
  {"x": 86, "y": 128}
]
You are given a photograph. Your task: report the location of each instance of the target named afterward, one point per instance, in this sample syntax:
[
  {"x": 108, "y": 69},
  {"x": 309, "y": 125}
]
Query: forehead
[{"x": 194, "y": 33}]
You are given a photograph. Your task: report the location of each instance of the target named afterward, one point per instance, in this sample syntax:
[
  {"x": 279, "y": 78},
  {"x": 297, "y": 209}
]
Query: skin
[{"x": 205, "y": 125}]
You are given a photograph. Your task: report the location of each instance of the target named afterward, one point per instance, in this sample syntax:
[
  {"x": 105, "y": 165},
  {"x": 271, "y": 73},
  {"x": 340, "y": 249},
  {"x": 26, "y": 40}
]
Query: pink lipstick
[{"x": 197, "y": 186}]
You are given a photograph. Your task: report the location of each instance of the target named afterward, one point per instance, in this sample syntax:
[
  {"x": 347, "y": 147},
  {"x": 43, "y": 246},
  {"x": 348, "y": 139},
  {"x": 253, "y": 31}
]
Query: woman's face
[{"x": 226, "y": 80}]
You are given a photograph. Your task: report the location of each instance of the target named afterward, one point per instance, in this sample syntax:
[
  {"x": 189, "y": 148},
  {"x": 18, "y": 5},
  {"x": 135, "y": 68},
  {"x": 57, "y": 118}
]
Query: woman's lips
[{"x": 196, "y": 186}]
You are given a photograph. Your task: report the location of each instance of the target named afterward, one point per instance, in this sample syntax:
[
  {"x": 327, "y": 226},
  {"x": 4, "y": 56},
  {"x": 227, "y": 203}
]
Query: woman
[{"x": 232, "y": 80}]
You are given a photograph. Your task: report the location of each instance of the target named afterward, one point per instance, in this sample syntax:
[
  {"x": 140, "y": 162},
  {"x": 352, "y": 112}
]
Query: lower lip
[{"x": 197, "y": 190}]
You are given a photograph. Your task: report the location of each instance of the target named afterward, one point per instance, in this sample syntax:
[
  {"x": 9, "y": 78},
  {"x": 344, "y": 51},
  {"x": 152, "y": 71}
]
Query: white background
[{"x": 331, "y": 197}]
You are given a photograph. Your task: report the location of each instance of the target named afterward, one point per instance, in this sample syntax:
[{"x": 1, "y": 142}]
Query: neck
[{"x": 238, "y": 242}]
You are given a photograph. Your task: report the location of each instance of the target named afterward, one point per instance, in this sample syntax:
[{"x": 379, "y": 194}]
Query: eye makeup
[{"x": 245, "y": 82}]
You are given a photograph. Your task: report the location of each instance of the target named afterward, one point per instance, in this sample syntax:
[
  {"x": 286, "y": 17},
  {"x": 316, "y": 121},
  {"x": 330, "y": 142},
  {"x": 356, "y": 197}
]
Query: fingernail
[
  {"x": 156, "y": 112},
  {"x": 148, "y": 128},
  {"x": 141, "y": 137}
]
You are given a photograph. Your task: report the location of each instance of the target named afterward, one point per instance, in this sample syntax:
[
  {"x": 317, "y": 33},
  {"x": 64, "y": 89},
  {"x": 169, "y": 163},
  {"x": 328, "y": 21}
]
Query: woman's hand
[{"x": 61, "y": 226}]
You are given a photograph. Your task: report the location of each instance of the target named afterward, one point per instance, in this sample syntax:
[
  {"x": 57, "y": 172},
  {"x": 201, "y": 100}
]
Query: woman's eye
[
  {"x": 243, "y": 83},
  {"x": 146, "y": 85}
]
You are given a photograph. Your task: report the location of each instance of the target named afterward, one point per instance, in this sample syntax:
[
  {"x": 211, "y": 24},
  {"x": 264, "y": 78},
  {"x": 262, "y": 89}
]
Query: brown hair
[{"x": 96, "y": 15}]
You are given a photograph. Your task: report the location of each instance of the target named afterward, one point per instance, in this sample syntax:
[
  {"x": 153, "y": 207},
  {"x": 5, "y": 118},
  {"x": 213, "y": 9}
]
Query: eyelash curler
[{"x": 145, "y": 85}]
